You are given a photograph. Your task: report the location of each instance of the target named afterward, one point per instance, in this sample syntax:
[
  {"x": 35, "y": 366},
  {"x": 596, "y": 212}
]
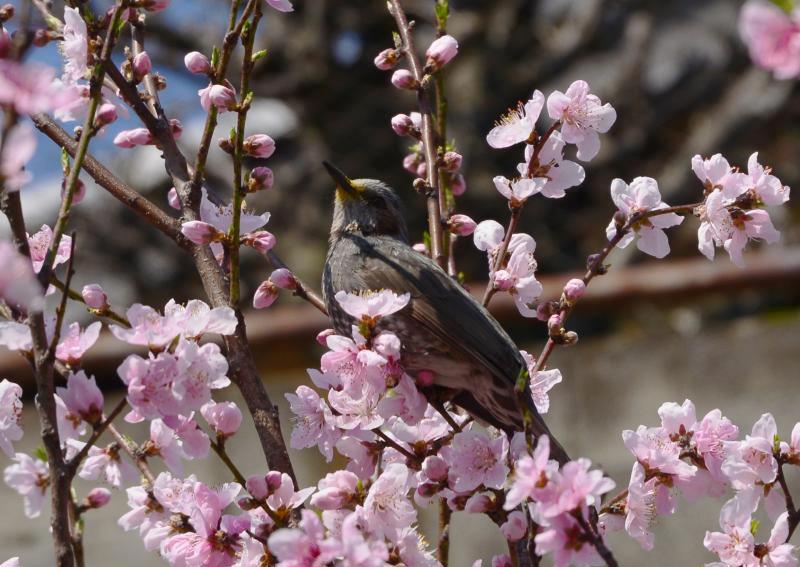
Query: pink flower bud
[
  {"x": 425, "y": 378},
  {"x": 451, "y": 161},
  {"x": 574, "y": 289},
  {"x": 197, "y": 63},
  {"x": 554, "y": 324},
  {"x": 502, "y": 280},
  {"x": 132, "y": 138},
  {"x": 94, "y": 297},
  {"x": 173, "y": 199},
  {"x": 458, "y": 185},
  {"x": 462, "y": 225},
  {"x": 515, "y": 527},
  {"x": 106, "y": 114},
  {"x": 411, "y": 163},
  {"x": 544, "y": 311},
  {"x": 176, "y": 128},
  {"x": 478, "y": 504},
  {"x": 265, "y": 295},
  {"x": 141, "y": 65},
  {"x": 200, "y": 232},
  {"x": 404, "y": 79},
  {"x": 427, "y": 489},
  {"x": 78, "y": 195},
  {"x": 435, "y": 468},
  {"x": 155, "y": 5},
  {"x": 260, "y": 178},
  {"x": 322, "y": 336},
  {"x": 259, "y": 145},
  {"x": 441, "y": 51},
  {"x": 98, "y": 497},
  {"x": 257, "y": 487},
  {"x": 223, "y": 97},
  {"x": 224, "y": 417},
  {"x": 387, "y": 59},
  {"x": 403, "y": 125},
  {"x": 284, "y": 279},
  {"x": 422, "y": 169},
  {"x": 260, "y": 240}
]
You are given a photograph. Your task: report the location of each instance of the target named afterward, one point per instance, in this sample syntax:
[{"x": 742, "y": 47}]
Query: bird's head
[{"x": 366, "y": 206}]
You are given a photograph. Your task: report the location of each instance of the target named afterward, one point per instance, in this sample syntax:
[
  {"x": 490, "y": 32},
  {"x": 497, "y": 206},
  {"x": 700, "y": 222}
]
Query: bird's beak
[{"x": 345, "y": 188}]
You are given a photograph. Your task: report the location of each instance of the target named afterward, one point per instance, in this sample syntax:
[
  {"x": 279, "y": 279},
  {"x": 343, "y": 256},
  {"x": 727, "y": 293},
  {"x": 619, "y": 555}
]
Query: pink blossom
[
  {"x": 283, "y": 278},
  {"x": 197, "y": 319},
  {"x": 716, "y": 173},
  {"x": 197, "y": 63},
  {"x": 582, "y": 116},
  {"x": 222, "y": 97},
  {"x": 284, "y": 497},
  {"x": 70, "y": 425},
  {"x": 654, "y": 448},
  {"x": 369, "y": 307},
  {"x": 640, "y": 196},
  {"x": 358, "y": 405},
  {"x": 565, "y": 540},
  {"x": 336, "y": 490},
  {"x": 164, "y": 443},
  {"x": 76, "y": 342},
  {"x": 82, "y": 397},
  {"x": 16, "y": 336},
  {"x": 530, "y": 474},
  {"x": 386, "y": 59},
  {"x": 133, "y": 138},
  {"x": 519, "y": 190},
  {"x": 780, "y": 553},
  {"x": 750, "y": 461},
  {"x": 735, "y": 544},
  {"x": 13, "y": 562},
  {"x": 574, "y": 487},
  {"x": 441, "y": 52},
  {"x": 193, "y": 441},
  {"x": 766, "y": 186},
  {"x": 148, "y": 328},
  {"x": 475, "y": 460},
  {"x": 515, "y": 528},
  {"x": 221, "y": 217},
  {"x": 74, "y": 47},
  {"x": 518, "y": 124},
  {"x": 281, "y": 5},
  {"x": 151, "y": 515},
  {"x": 200, "y": 370},
  {"x": 518, "y": 277},
  {"x": 747, "y": 225},
  {"x": 18, "y": 148},
  {"x": 772, "y": 37},
  {"x": 791, "y": 450},
  {"x": 261, "y": 240},
  {"x": 301, "y": 547},
  {"x": 40, "y": 243},
  {"x": 265, "y": 295},
  {"x": 716, "y": 224},
  {"x": 709, "y": 436},
  {"x": 313, "y": 422},
  {"x": 387, "y": 509},
  {"x": 412, "y": 550},
  {"x": 10, "y": 416},
  {"x": 224, "y": 417},
  {"x": 28, "y": 87},
  {"x": 201, "y": 232},
  {"x": 646, "y": 500},
  {"x": 97, "y": 498},
  {"x": 541, "y": 382},
  {"x": 559, "y": 174},
  {"x": 106, "y": 114},
  {"x": 106, "y": 464},
  {"x": 30, "y": 478},
  {"x": 259, "y": 145},
  {"x": 18, "y": 283}
]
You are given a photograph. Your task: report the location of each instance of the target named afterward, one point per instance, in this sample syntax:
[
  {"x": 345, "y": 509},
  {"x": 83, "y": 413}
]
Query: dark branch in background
[{"x": 428, "y": 133}]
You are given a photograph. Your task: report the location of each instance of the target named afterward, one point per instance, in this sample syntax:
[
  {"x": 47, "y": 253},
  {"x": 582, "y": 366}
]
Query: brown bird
[{"x": 443, "y": 330}]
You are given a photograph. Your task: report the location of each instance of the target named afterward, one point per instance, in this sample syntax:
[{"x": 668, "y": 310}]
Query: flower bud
[
  {"x": 284, "y": 279},
  {"x": 6, "y": 12},
  {"x": 545, "y": 309},
  {"x": 478, "y": 504},
  {"x": 274, "y": 480},
  {"x": 441, "y": 52},
  {"x": 97, "y": 498},
  {"x": 259, "y": 145},
  {"x": 226, "y": 145},
  {"x": 451, "y": 161},
  {"x": 569, "y": 338},
  {"x": 224, "y": 417},
  {"x": 260, "y": 240},
  {"x": 197, "y": 63},
  {"x": 435, "y": 468},
  {"x": 425, "y": 378},
  {"x": 133, "y": 138},
  {"x": 155, "y": 5},
  {"x": 201, "y": 232},
  {"x": 574, "y": 289},
  {"x": 462, "y": 225},
  {"x": 404, "y": 126},
  {"x": 322, "y": 336},
  {"x": 106, "y": 114},
  {"x": 427, "y": 489},
  {"x": 458, "y": 185},
  {"x": 141, "y": 65},
  {"x": 554, "y": 324},
  {"x": 41, "y": 37},
  {"x": 223, "y": 97},
  {"x": 411, "y": 163},
  {"x": 265, "y": 295},
  {"x": 422, "y": 169},
  {"x": 260, "y": 178},
  {"x": 94, "y": 297},
  {"x": 387, "y": 59},
  {"x": 173, "y": 199},
  {"x": 404, "y": 79},
  {"x": 78, "y": 194},
  {"x": 502, "y": 280},
  {"x": 176, "y": 128}
]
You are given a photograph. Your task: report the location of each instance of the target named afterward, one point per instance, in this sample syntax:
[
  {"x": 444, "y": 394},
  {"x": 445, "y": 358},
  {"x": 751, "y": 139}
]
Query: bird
[{"x": 443, "y": 330}]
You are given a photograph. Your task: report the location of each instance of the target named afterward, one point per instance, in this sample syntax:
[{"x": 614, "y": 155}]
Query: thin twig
[
  {"x": 74, "y": 462},
  {"x": 443, "y": 547},
  {"x": 394, "y": 445},
  {"x": 513, "y": 221},
  {"x": 133, "y": 451},
  {"x": 596, "y": 540}
]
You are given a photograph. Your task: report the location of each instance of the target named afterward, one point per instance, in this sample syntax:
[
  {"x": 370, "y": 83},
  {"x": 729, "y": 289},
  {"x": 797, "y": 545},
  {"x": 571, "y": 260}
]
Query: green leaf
[
  {"x": 215, "y": 57},
  {"x": 754, "y": 526},
  {"x": 442, "y": 11},
  {"x": 259, "y": 55},
  {"x": 426, "y": 239},
  {"x": 398, "y": 41},
  {"x": 785, "y": 5},
  {"x": 64, "y": 160},
  {"x": 40, "y": 453}
]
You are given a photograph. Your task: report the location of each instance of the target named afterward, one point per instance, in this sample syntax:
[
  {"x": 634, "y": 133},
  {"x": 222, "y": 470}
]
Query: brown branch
[
  {"x": 134, "y": 452},
  {"x": 513, "y": 221},
  {"x": 793, "y": 513},
  {"x": 99, "y": 429},
  {"x": 303, "y": 290},
  {"x": 428, "y": 133},
  {"x": 596, "y": 540},
  {"x": 443, "y": 547}
]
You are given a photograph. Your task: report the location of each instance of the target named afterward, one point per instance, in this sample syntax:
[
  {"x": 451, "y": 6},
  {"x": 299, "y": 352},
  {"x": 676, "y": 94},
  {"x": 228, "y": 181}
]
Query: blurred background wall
[{"x": 682, "y": 84}]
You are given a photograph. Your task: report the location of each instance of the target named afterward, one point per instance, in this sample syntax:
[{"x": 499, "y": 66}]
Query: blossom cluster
[{"x": 772, "y": 35}]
